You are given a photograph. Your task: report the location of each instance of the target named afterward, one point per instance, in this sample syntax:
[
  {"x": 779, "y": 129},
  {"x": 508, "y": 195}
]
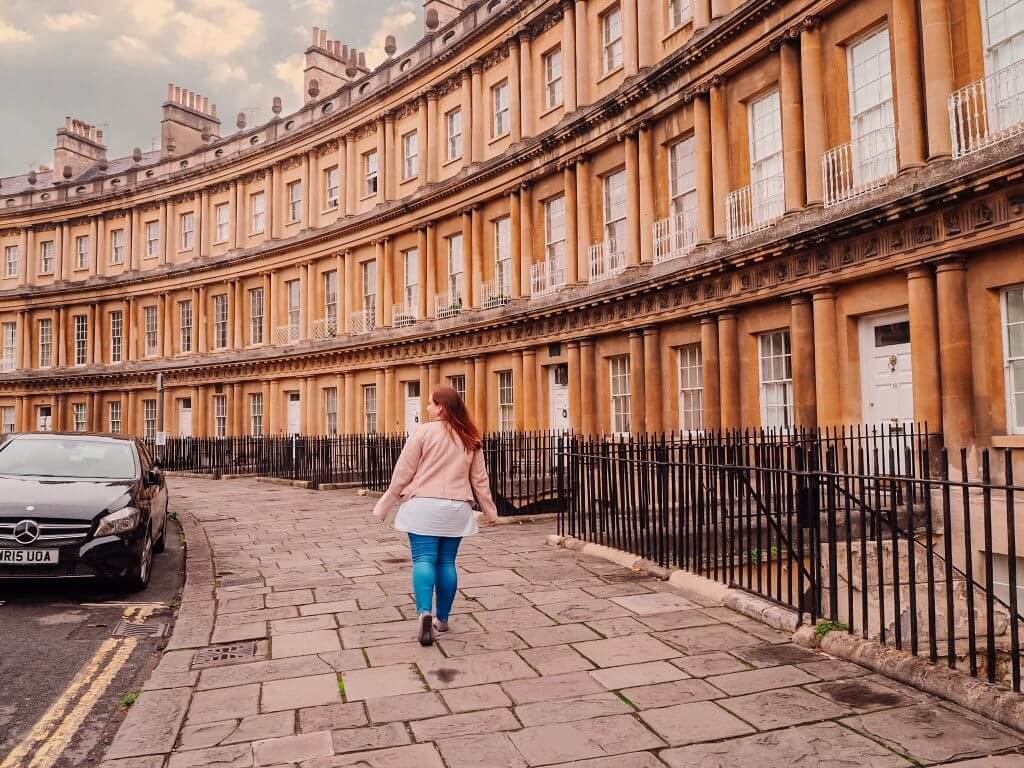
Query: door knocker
[{"x": 893, "y": 361}]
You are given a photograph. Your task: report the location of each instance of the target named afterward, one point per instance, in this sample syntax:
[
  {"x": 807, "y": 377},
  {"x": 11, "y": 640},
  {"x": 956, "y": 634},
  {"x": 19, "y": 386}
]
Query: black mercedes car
[{"x": 80, "y": 505}]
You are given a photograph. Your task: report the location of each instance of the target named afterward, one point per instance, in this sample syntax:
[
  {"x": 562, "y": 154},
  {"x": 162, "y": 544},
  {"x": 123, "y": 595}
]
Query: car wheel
[
  {"x": 138, "y": 578},
  {"x": 161, "y": 541}
]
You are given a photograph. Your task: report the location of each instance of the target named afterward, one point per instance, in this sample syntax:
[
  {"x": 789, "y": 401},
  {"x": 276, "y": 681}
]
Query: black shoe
[{"x": 426, "y": 629}]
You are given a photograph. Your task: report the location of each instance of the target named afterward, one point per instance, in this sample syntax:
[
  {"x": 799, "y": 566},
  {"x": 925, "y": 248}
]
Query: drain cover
[
  {"x": 394, "y": 560},
  {"x": 229, "y": 654},
  {"x": 240, "y": 581},
  {"x": 148, "y": 628}
]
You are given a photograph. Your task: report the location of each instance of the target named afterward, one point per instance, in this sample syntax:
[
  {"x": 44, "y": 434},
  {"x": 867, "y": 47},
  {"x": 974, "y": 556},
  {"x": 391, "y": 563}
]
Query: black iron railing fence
[{"x": 880, "y": 531}]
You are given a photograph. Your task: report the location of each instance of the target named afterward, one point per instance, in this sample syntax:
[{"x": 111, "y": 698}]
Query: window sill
[
  {"x": 45, "y": 274},
  {"x": 407, "y": 179},
  {"x": 609, "y": 74},
  {"x": 1008, "y": 441},
  {"x": 364, "y": 198},
  {"x": 185, "y": 250},
  {"x": 149, "y": 257},
  {"x": 330, "y": 209},
  {"x": 258, "y": 232},
  {"x": 554, "y": 108},
  {"x": 676, "y": 30},
  {"x": 292, "y": 222},
  {"x": 499, "y": 137},
  {"x": 452, "y": 161}
]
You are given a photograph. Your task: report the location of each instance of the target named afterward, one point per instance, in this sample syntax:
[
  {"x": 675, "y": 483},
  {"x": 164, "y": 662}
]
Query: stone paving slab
[{"x": 553, "y": 659}]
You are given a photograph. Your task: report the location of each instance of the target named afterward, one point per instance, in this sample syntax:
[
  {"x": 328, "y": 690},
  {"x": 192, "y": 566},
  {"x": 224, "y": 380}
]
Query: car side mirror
[{"x": 152, "y": 477}]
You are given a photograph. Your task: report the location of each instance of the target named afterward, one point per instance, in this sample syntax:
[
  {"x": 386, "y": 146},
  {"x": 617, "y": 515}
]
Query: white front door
[
  {"x": 559, "y": 419},
  {"x": 412, "y": 405},
  {"x": 294, "y": 403},
  {"x": 45, "y": 420},
  {"x": 185, "y": 417},
  {"x": 887, "y": 384}
]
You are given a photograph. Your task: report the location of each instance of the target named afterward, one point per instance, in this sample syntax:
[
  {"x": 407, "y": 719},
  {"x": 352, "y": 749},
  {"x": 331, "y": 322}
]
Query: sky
[{"x": 108, "y": 62}]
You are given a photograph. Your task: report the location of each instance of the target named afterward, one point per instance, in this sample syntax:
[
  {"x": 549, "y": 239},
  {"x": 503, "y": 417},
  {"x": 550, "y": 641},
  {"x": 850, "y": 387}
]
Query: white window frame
[
  {"x": 7, "y": 423},
  {"x": 257, "y": 213},
  {"x": 151, "y": 326},
  {"x": 330, "y": 410},
  {"x": 775, "y": 371},
  {"x": 185, "y": 321},
  {"x": 80, "y": 418},
  {"x": 220, "y": 415},
  {"x": 458, "y": 383},
  {"x": 222, "y": 219},
  {"x": 872, "y": 127},
  {"x": 81, "y": 252},
  {"x": 10, "y": 345},
  {"x": 294, "y": 194},
  {"x": 411, "y": 276},
  {"x": 506, "y": 402},
  {"x": 553, "y": 91},
  {"x": 456, "y": 263},
  {"x": 46, "y": 257},
  {"x": 410, "y": 155},
  {"x": 1009, "y": 48},
  {"x": 766, "y": 164},
  {"x": 679, "y": 13},
  {"x": 500, "y": 111},
  {"x": 331, "y": 295},
  {"x": 370, "y": 409},
  {"x": 116, "y": 336},
  {"x": 682, "y": 178},
  {"x": 332, "y": 186},
  {"x": 114, "y": 417},
  {"x": 691, "y": 387},
  {"x": 620, "y": 394},
  {"x": 611, "y": 40},
  {"x": 371, "y": 172},
  {"x": 293, "y": 290},
  {"x": 45, "y": 342},
  {"x": 149, "y": 418},
  {"x": 503, "y": 254},
  {"x": 80, "y": 323},
  {"x": 152, "y": 231},
  {"x": 117, "y": 246},
  {"x": 187, "y": 225},
  {"x": 1012, "y": 360},
  {"x": 256, "y": 414},
  {"x": 613, "y": 189},
  {"x": 220, "y": 321},
  {"x": 554, "y": 229},
  {"x": 11, "y": 261},
  {"x": 368, "y": 274},
  {"x": 256, "y": 310},
  {"x": 453, "y": 133}
]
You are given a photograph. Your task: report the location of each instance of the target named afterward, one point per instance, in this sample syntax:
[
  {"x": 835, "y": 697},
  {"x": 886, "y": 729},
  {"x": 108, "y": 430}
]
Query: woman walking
[{"x": 439, "y": 473}]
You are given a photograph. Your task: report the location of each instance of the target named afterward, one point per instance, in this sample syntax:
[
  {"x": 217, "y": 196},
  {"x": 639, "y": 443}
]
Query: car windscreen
[{"x": 74, "y": 458}]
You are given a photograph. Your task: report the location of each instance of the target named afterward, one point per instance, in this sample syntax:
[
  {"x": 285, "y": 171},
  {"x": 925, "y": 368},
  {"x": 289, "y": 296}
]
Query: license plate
[{"x": 28, "y": 556}]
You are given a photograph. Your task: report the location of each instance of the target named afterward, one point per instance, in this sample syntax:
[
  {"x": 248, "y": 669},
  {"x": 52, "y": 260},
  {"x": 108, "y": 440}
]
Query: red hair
[{"x": 456, "y": 417}]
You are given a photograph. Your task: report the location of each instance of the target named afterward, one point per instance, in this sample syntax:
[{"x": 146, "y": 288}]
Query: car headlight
[{"x": 122, "y": 521}]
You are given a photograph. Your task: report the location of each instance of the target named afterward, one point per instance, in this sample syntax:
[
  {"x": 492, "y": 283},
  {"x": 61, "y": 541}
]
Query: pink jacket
[{"x": 434, "y": 464}]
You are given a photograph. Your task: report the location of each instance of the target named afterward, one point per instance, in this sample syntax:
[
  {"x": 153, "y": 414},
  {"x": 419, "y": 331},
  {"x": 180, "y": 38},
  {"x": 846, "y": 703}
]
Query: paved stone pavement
[{"x": 553, "y": 660}]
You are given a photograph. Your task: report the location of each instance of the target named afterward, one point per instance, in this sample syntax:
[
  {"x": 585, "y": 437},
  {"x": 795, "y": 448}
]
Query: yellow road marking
[
  {"x": 55, "y": 728},
  {"x": 51, "y": 719},
  {"x": 58, "y": 740}
]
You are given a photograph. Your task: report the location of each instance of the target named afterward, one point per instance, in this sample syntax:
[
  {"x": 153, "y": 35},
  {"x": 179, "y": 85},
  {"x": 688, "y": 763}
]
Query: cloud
[
  {"x": 149, "y": 16},
  {"x": 319, "y": 8},
  {"x": 217, "y": 29},
  {"x": 135, "y": 51},
  {"x": 12, "y": 35},
  {"x": 63, "y": 22},
  {"x": 290, "y": 71},
  {"x": 398, "y": 20}
]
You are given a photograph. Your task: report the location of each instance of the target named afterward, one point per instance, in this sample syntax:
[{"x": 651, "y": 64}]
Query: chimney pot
[
  {"x": 316, "y": 35},
  {"x": 136, "y": 155},
  {"x": 240, "y": 122},
  {"x": 432, "y": 20},
  {"x": 362, "y": 59},
  {"x": 66, "y": 173},
  {"x": 170, "y": 91},
  {"x": 390, "y": 45},
  {"x": 32, "y": 177},
  {"x": 276, "y": 109},
  {"x": 314, "y": 88}
]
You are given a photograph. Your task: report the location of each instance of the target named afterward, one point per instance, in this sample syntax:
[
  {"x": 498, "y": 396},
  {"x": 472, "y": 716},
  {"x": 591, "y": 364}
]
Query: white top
[{"x": 436, "y": 517}]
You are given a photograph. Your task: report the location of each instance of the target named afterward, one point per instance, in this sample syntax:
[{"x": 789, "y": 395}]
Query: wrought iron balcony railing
[
  {"x": 755, "y": 207},
  {"x": 607, "y": 259},
  {"x": 675, "y": 236},
  {"x": 987, "y": 111},
  {"x": 859, "y": 166}
]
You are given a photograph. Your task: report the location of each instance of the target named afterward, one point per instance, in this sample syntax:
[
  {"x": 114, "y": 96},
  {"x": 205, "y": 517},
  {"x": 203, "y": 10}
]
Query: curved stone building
[{"x": 609, "y": 215}]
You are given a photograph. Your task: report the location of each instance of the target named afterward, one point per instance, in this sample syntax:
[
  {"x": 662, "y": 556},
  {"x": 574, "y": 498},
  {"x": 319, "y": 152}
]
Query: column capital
[
  {"x": 809, "y": 24},
  {"x": 635, "y": 333},
  {"x": 824, "y": 293},
  {"x": 651, "y": 330},
  {"x": 430, "y": 94},
  {"x": 524, "y": 34},
  {"x": 950, "y": 262},
  {"x": 476, "y": 67},
  {"x": 799, "y": 298},
  {"x": 387, "y": 116},
  {"x": 586, "y": 342},
  {"x": 919, "y": 271},
  {"x": 708, "y": 320}
]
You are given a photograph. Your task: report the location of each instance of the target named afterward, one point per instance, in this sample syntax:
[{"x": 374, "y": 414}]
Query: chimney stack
[
  {"x": 79, "y": 146},
  {"x": 189, "y": 122},
  {"x": 328, "y": 64}
]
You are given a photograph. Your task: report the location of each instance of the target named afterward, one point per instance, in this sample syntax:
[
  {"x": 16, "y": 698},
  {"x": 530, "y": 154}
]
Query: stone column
[
  {"x": 924, "y": 347},
  {"x": 705, "y": 180},
  {"x": 269, "y": 306},
  {"x": 588, "y": 395},
  {"x": 311, "y": 187},
  {"x": 582, "y": 47},
  {"x": 647, "y": 186},
  {"x": 383, "y": 406},
  {"x": 630, "y": 38},
  {"x": 380, "y": 289},
  {"x": 271, "y": 405},
  {"x": 955, "y": 353},
  {"x": 478, "y": 125},
  {"x": 583, "y": 236},
  {"x": 166, "y": 232},
  {"x": 527, "y": 100},
  {"x": 470, "y": 263},
  {"x": 480, "y": 394},
  {"x": 476, "y": 257},
  {"x": 271, "y": 191},
  {"x": 431, "y": 275},
  {"x": 526, "y": 237},
  {"x": 388, "y": 167},
  {"x": 572, "y": 350},
  {"x": 423, "y": 141},
  {"x": 791, "y": 97},
  {"x": 529, "y": 398},
  {"x": 712, "y": 416},
  {"x": 91, "y": 415},
  {"x": 238, "y": 294},
  {"x": 569, "y": 56},
  {"x": 721, "y": 185},
  {"x": 701, "y": 14},
  {"x": 349, "y": 403},
  {"x": 516, "y": 106},
  {"x": 637, "y": 390},
  {"x": 94, "y": 245},
  {"x": 653, "y": 377},
  {"x": 516, "y": 243},
  {"x": 826, "y": 359},
  {"x": 200, "y": 412},
  {"x": 906, "y": 45},
  {"x": 801, "y": 332},
  {"x": 307, "y": 315},
  {"x": 518, "y": 389},
  {"x": 433, "y": 137},
  {"x": 130, "y": 330},
  {"x": 466, "y": 110},
  {"x": 729, "y": 369},
  {"x": 938, "y": 74},
  {"x": 421, "y": 266},
  {"x": 339, "y": 281},
  {"x": 24, "y": 340},
  {"x": 646, "y": 13},
  {"x": 632, "y": 244},
  {"x": 351, "y": 176},
  {"x": 392, "y": 399},
  {"x": 434, "y": 371},
  {"x": 348, "y": 292},
  {"x": 389, "y": 280},
  {"x": 424, "y": 391},
  {"x": 574, "y": 263},
  {"x": 813, "y": 90},
  {"x": 470, "y": 399},
  {"x": 719, "y": 8},
  {"x": 202, "y": 321},
  {"x": 236, "y": 421}
]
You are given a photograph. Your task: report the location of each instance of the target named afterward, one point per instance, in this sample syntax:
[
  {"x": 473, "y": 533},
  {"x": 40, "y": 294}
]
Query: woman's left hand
[{"x": 381, "y": 515}]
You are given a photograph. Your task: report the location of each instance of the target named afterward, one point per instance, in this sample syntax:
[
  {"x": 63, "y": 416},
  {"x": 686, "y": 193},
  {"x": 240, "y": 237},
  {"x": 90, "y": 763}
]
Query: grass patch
[
  {"x": 824, "y": 627},
  {"x": 128, "y": 699},
  {"x": 626, "y": 699},
  {"x": 172, "y": 515},
  {"x": 341, "y": 687}
]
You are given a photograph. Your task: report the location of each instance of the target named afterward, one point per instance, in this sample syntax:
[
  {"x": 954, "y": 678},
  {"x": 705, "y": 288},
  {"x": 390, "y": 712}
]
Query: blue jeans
[{"x": 433, "y": 569}]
